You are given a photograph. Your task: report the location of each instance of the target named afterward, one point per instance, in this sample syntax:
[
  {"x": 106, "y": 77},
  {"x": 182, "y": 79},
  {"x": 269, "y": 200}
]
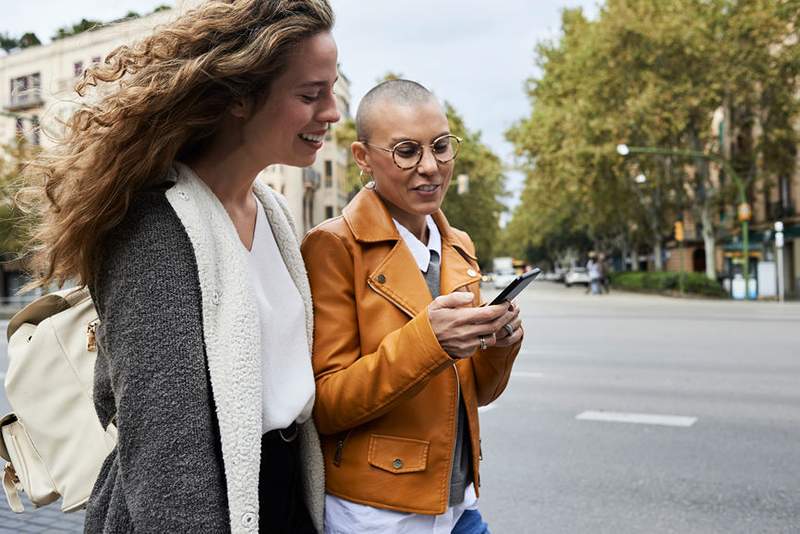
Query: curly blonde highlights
[{"x": 164, "y": 97}]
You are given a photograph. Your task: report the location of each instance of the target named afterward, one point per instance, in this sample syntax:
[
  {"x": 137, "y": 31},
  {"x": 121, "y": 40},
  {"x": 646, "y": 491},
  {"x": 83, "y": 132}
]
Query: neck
[
  {"x": 228, "y": 171},
  {"x": 416, "y": 224}
]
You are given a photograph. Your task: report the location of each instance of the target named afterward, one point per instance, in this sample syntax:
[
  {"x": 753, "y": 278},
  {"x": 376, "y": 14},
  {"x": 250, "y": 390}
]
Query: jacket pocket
[{"x": 398, "y": 455}]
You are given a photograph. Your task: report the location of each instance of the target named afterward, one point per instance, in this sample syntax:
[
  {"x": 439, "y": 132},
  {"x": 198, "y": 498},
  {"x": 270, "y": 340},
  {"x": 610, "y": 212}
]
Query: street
[{"x": 556, "y": 457}]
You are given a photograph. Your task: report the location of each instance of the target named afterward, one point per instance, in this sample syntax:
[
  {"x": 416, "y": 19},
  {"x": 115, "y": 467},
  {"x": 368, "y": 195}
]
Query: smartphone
[{"x": 516, "y": 286}]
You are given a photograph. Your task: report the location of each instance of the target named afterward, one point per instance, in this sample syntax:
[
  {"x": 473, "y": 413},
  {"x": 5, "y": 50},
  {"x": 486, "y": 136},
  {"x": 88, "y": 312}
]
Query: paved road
[{"x": 732, "y": 366}]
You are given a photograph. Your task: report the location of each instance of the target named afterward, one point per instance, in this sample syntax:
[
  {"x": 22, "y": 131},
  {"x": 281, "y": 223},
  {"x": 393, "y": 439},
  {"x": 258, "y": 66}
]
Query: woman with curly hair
[{"x": 151, "y": 200}]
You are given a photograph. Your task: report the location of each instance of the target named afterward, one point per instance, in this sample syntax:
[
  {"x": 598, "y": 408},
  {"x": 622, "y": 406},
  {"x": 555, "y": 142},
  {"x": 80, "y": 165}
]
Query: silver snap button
[
  {"x": 215, "y": 297},
  {"x": 398, "y": 463},
  {"x": 471, "y": 272},
  {"x": 248, "y": 519},
  {"x": 381, "y": 279},
  {"x": 183, "y": 195}
]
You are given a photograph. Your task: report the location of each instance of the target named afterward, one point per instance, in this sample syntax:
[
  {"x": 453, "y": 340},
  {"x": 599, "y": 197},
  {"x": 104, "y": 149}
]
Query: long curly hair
[{"x": 158, "y": 100}]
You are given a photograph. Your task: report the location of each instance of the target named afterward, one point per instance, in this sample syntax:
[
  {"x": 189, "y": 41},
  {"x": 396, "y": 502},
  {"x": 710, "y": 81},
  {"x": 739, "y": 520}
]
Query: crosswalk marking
[{"x": 637, "y": 418}]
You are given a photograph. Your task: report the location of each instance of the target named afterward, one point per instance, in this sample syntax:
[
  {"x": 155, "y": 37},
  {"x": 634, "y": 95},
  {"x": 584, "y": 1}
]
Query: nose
[
  {"x": 329, "y": 112},
  {"x": 427, "y": 164}
]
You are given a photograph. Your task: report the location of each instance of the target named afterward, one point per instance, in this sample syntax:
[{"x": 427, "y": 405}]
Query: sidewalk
[{"x": 38, "y": 521}]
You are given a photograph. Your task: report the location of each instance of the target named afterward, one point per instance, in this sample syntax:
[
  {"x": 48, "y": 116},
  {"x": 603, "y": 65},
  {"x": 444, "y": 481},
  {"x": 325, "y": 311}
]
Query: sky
[{"x": 475, "y": 54}]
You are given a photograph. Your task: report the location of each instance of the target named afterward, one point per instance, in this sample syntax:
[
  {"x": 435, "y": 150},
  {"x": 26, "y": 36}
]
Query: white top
[
  {"x": 286, "y": 373},
  {"x": 346, "y": 517},
  {"x": 421, "y": 251}
]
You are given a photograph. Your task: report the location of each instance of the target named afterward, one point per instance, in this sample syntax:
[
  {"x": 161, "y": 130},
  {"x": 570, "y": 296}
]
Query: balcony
[
  {"x": 27, "y": 99},
  {"x": 777, "y": 211}
]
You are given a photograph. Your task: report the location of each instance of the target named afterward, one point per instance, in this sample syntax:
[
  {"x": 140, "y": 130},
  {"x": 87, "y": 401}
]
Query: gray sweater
[
  {"x": 166, "y": 474},
  {"x": 176, "y": 353}
]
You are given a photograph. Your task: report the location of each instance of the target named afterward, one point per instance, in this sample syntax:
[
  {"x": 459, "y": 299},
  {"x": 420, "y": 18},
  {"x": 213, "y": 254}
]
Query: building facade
[{"x": 37, "y": 96}]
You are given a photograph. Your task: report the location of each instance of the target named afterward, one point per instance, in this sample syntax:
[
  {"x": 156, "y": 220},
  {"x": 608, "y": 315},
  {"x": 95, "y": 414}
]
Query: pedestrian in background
[
  {"x": 593, "y": 268},
  {"x": 193, "y": 265},
  {"x": 403, "y": 356}
]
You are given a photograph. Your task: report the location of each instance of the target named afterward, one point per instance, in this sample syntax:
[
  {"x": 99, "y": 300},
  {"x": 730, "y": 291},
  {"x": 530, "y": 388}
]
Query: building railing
[{"x": 29, "y": 98}]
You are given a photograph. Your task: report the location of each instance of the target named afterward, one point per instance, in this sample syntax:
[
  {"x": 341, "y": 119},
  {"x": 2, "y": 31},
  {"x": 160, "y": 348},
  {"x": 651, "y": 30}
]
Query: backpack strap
[
  {"x": 12, "y": 487},
  {"x": 45, "y": 306}
]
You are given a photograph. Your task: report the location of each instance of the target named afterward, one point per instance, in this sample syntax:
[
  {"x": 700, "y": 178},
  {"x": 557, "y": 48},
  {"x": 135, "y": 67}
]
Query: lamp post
[{"x": 743, "y": 211}]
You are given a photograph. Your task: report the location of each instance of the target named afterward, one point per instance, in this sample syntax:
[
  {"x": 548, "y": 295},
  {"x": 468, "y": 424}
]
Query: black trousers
[{"x": 282, "y": 508}]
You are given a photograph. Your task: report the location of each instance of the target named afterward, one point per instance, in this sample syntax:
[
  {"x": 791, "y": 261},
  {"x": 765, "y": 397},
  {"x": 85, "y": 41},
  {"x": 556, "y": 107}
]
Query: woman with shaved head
[{"x": 403, "y": 353}]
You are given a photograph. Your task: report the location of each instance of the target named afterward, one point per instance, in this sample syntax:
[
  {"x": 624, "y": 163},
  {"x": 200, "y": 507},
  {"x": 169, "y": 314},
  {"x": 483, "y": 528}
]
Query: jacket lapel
[{"x": 397, "y": 277}]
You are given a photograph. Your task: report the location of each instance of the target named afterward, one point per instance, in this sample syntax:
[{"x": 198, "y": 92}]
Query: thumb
[{"x": 459, "y": 299}]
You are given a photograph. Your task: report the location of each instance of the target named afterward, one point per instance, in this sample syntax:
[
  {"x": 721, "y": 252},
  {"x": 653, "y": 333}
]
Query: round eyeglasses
[{"x": 408, "y": 154}]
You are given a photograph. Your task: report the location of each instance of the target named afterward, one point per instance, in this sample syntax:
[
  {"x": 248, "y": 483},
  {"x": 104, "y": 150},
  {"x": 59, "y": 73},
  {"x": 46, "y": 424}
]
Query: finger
[
  {"x": 458, "y": 299},
  {"x": 486, "y": 314}
]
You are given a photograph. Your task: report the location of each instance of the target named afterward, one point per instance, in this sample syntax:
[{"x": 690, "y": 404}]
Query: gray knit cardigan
[{"x": 179, "y": 365}]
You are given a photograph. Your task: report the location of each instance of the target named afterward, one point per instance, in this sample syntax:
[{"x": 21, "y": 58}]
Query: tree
[
  {"x": 29, "y": 39},
  {"x": 654, "y": 73},
  {"x": 478, "y": 210},
  {"x": 14, "y": 225},
  {"x": 80, "y": 27}
]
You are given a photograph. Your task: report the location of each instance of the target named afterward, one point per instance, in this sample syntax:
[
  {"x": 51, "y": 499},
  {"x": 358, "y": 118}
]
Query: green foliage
[
  {"x": 652, "y": 73},
  {"x": 345, "y": 135},
  {"x": 9, "y": 43},
  {"x": 478, "y": 211},
  {"x": 14, "y": 226},
  {"x": 667, "y": 282},
  {"x": 80, "y": 27},
  {"x": 162, "y": 7}
]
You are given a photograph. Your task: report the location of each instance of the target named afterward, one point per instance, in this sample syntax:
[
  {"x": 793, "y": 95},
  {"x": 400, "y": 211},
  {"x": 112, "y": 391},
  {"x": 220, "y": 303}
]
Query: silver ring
[
  {"x": 482, "y": 339},
  {"x": 509, "y": 328}
]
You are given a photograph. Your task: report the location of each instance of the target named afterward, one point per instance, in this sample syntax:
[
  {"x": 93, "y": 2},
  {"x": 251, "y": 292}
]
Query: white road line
[
  {"x": 483, "y": 409},
  {"x": 639, "y": 418},
  {"x": 526, "y": 374}
]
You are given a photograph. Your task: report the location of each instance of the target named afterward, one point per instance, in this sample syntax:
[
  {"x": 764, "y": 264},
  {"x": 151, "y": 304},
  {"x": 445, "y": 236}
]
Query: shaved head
[{"x": 403, "y": 92}]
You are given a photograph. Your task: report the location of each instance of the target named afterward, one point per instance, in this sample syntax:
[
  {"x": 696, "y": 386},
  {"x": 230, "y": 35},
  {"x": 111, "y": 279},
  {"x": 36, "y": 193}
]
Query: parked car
[
  {"x": 503, "y": 278},
  {"x": 576, "y": 275}
]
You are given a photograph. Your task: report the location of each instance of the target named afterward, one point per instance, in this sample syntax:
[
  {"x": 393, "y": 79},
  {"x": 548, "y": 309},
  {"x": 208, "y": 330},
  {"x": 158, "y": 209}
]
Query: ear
[
  {"x": 240, "y": 108},
  {"x": 359, "y": 151}
]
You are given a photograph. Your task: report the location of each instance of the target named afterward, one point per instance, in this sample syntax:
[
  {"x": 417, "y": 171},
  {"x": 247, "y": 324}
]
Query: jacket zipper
[{"x": 337, "y": 456}]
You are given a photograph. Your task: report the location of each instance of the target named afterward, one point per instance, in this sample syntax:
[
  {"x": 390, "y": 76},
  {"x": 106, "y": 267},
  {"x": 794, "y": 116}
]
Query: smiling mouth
[
  {"x": 427, "y": 188},
  {"x": 312, "y": 138}
]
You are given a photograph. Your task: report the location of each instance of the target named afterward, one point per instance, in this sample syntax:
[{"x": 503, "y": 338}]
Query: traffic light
[{"x": 678, "y": 230}]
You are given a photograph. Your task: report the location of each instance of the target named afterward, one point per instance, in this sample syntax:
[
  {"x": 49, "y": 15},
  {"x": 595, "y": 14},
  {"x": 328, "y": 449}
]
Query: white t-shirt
[
  {"x": 286, "y": 373},
  {"x": 347, "y": 517}
]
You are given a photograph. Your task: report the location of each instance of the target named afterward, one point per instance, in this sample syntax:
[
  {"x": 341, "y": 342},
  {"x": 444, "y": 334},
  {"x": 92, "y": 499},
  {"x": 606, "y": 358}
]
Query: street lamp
[
  {"x": 744, "y": 212},
  {"x": 640, "y": 178}
]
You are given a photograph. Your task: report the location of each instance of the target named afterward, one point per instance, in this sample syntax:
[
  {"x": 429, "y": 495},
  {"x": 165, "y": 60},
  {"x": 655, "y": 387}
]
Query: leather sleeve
[{"x": 353, "y": 388}]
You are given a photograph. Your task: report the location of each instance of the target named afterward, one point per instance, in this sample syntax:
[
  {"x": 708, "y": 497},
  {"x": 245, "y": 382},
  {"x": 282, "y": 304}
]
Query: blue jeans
[{"x": 470, "y": 522}]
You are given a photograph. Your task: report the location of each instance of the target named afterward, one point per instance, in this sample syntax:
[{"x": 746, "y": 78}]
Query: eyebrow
[
  {"x": 395, "y": 140},
  {"x": 320, "y": 83}
]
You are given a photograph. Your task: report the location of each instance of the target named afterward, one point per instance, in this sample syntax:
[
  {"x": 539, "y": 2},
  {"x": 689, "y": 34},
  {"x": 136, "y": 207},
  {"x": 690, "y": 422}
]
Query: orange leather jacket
[{"x": 387, "y": 394}]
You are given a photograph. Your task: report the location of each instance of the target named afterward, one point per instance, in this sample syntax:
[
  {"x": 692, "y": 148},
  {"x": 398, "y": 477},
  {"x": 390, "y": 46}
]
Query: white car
[
  {"x": 503, "y": 278},
  {"x": 576, "y": 275}
]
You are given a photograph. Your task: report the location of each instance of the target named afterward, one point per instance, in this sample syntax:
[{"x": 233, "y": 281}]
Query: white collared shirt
[
  {"x": 347, "y": 517},
  {"x": 421, "y": 251}
]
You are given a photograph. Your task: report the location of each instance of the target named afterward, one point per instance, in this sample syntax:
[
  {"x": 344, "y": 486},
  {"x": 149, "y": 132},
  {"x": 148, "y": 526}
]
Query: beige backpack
[{"x": 53, "y": 442}]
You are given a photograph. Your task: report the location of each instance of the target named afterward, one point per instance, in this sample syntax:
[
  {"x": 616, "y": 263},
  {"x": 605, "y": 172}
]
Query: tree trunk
[
  {"x": 709, "y": 241},
  {"x": 634, "y": 260},
  {"x": 658, "y": 256}
]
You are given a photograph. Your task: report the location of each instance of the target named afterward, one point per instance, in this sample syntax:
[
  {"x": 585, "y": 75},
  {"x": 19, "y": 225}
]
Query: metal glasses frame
[{"x": 457, "y": 139}]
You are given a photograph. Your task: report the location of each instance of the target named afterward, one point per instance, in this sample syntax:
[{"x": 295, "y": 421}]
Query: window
[
  {"x": 96, "y": 60},
  {"x": 785, "y": 186},
  {"x": 328, "y": 173},
  {"x": 77, "y": 69},
  {"x": 328, "y": 212}
]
